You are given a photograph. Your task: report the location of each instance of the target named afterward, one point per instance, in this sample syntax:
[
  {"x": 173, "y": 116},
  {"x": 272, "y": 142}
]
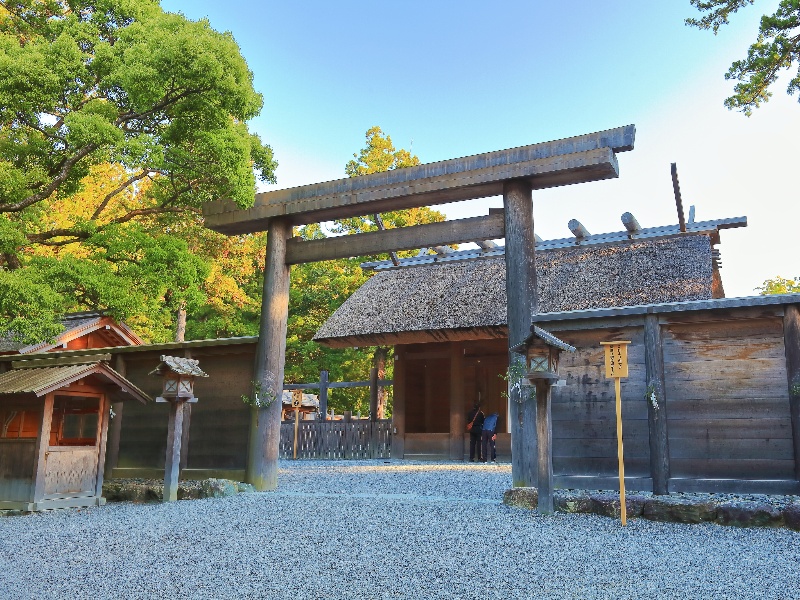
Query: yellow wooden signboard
[
  {"x": 616, "y": 359},
  {"x": 297, "y": 398},
  {"x": 297, "y": 401},
  {"x": 616, "y": 367}
]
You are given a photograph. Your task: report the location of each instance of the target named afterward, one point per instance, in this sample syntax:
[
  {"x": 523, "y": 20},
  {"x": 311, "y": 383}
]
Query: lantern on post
[
  {"x": 178, "y": 376},
  {"x": 541, "y": 350}
]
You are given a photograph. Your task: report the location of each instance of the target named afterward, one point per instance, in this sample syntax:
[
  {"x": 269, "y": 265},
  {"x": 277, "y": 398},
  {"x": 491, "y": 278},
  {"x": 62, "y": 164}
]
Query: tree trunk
[
  {"x": 379, "y": 362},
  {"x": 11, "y": 261},
  {"x": 180, "y": 329}
]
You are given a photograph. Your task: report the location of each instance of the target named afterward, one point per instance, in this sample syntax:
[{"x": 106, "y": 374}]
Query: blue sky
[{"x": 450, "y": 79}]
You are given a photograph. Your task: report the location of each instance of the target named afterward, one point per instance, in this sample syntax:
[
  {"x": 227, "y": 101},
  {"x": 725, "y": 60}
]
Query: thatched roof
[{"x": 467, "y": 299}]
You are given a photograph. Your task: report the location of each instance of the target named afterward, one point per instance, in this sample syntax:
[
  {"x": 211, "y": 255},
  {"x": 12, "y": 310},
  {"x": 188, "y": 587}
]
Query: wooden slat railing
[{"x": 337, "y": 440}]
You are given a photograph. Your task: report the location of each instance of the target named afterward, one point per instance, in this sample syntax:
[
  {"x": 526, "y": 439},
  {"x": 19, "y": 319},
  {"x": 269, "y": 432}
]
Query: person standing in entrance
[
  {"x": 475, "y": 419},
  {"x": 489, "y": 438}
]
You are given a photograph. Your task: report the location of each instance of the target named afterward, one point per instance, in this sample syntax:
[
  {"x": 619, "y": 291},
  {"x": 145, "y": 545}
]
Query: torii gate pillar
[
  {"x": 522, "y": 298},
  {"x": 265, "y": 426}
]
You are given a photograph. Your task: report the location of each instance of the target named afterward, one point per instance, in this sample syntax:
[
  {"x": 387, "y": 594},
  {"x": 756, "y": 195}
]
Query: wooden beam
[
  {"x": 578, "y": 229},
  {"x": 631, "y": 224},
  {"x": 404, "y": 238},
  {"x": 656, "y": 413},
  {"x": 578, "y": 159},
  {"x": 265, "y": 432},
  {"x": 791, "y": 340}
]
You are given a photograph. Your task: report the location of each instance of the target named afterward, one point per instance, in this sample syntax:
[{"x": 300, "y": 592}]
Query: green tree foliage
[
  {"x": 779, "y": 285},
  {"x": 777, "y": 47},
  {"x": 377, "y": 156},
  {"x": 159, "y": 105}
]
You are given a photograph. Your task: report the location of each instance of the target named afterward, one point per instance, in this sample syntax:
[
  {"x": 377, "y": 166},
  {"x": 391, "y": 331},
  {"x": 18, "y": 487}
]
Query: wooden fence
[{"x": 338, "y": 440}]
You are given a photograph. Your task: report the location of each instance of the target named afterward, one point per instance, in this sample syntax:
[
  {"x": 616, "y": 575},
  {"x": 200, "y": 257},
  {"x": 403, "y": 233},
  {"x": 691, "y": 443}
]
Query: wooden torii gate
[{"x": 513, "y": 173}]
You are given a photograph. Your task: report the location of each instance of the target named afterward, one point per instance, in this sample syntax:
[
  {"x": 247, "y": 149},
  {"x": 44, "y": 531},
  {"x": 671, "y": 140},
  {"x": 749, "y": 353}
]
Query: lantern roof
[
  {"x": 179, "y": 365},
  {"x": 547, "y": 337}
]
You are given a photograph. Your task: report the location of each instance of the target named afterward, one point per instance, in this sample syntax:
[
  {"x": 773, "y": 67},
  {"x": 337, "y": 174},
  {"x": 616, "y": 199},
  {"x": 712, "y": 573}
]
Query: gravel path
[{"x": 375, "y": 529}]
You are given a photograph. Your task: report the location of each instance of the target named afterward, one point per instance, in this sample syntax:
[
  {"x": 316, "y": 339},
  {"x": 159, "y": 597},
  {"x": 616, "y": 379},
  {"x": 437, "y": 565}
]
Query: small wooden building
[
  {"x": 82, "y": 330},
  {"x": 54, "y": 416}
]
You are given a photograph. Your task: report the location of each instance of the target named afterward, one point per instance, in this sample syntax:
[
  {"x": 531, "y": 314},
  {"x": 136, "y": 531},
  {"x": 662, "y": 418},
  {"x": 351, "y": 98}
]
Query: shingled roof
[
  {"x": 467, "y": 299},
  {"x": 39, "y": 377}
]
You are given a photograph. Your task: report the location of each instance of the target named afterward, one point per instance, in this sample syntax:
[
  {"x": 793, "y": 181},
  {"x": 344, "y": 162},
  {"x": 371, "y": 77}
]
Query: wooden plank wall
[
  {"x": 17, "y": 468},
  {"x": 220, "y": 420},
  {"x": 727, "y": 398},
  {"x": 583, "y": 411}
]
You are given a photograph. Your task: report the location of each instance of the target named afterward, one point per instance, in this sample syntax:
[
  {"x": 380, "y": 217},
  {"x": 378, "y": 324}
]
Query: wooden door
[{"x": 73, "y": 454}]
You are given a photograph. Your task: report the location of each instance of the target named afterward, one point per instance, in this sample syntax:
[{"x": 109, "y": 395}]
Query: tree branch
[
  {"x": 53, "y": 185},
  {"x": 124, "y": 185}
]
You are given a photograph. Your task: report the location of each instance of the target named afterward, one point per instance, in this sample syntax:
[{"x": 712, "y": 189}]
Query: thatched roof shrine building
[{"x": 466, "y": 300}]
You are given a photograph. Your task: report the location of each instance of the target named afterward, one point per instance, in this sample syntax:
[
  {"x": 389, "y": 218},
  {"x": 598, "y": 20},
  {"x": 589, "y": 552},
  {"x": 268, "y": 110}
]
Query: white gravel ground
[{"x": 375, "y": 529}]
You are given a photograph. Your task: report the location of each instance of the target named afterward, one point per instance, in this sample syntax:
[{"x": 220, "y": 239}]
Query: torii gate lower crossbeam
[{"x": 513, "y": 173}]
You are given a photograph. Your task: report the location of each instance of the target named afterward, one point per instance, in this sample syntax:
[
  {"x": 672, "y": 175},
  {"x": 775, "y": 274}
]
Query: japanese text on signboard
[{"x": 616, "y": 359}]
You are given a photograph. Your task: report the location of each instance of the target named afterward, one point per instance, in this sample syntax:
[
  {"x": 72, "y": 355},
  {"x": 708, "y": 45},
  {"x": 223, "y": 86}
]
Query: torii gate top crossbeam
[{"x": 578, "y": 159}]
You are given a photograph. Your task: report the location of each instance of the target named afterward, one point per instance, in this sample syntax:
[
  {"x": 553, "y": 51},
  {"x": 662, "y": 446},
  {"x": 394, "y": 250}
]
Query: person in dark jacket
[
  {"x": 489, "y": 437},
  {"x": 476, "y": 417}
]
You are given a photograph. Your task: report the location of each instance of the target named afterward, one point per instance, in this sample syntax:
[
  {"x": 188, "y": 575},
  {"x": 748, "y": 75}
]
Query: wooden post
[
  {"x": 791, "y": 341},
  {"x": 42, "y": 448},
  {"x": 623, "y": 508},
  {"x": 102, "y": 436},
  {"x": 457, "y": 416},
  {"x": 265, "y": 432},
  {"x": 323, "y": 395},
  {"x": 373, "y": 394},
  {"x": 187, "y": 420},
  {"x": 544, "y": 437},
  {"x": 656, "y": 410},
  {"x": 115, "y": 426},
  {"x": 172, "y": 464},
  {"x": 616, "y": 362},
  {"x": 399, "y": 405},
  {"x": 296, "y": 426},
  {"x": 522, "y": 304}
]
